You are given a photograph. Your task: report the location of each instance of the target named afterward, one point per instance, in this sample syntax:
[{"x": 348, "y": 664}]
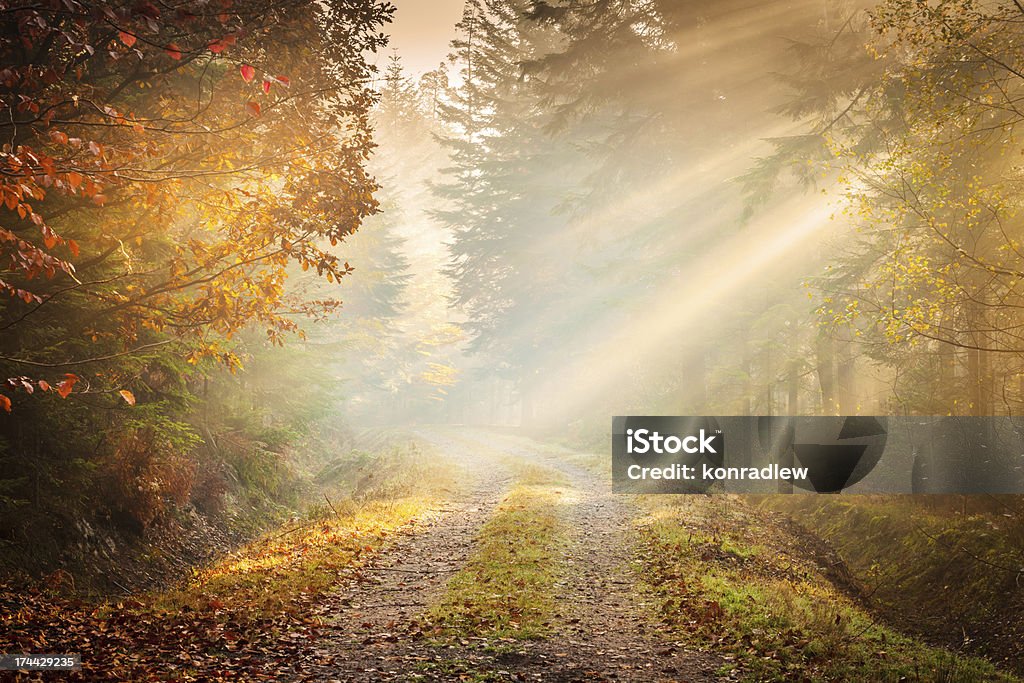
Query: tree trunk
[
  {"x": 979, "y": 372},
  {"x": 527, "y": 402},
  {"x": 793, "y": 386},
  {"x": 769, "y": 381},
  {"x": 825, "y": 353},
  {"x": 748, "y": 386},
  {"x": 987, "y": 381},
  {"x": 846, "y": 373}
]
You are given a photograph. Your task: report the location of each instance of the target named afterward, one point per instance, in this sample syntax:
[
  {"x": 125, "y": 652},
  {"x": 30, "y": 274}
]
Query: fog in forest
[
  {"x": 315, "y": 316},
  {"x": 593, "y": 217}
]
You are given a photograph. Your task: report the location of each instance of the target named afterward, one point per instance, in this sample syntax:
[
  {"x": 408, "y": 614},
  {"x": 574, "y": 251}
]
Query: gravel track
[{"x": 599, "y": 632}]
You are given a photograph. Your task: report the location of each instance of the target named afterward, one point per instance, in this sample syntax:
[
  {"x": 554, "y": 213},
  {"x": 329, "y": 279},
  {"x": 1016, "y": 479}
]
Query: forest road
[{"x": 598, "y": 631}]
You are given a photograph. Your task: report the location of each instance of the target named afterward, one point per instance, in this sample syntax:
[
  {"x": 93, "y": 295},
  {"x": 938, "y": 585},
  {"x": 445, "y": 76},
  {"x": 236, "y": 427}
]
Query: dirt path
[{"x": 600, "y": 633}]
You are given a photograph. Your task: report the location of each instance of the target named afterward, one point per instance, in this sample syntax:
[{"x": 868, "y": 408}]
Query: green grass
[
  {"x": 455, "y": 670},
  {"x": 930, "y": 567},
  {"x": 284, "y": 570},
  {"x": 507, "y": 588},
  {"x": 727, "y": 578}
]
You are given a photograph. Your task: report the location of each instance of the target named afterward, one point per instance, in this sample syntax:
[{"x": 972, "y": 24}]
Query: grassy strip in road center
[
  {"x": 507, "y": 588},
  {"x": 729, "y": 579}
]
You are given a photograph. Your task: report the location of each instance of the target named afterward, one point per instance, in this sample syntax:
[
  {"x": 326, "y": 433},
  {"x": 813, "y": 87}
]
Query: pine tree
[{"x": 501, "y": 192}]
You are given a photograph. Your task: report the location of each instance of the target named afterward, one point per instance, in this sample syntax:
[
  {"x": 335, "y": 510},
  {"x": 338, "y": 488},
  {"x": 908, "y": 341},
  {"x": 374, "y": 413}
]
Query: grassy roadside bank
[
  {"x": 727, "y": 577},
  {"x": 785, "y": 601},
  {"x": 931, "y": 563},
  {"x": 247, "y": 615}
]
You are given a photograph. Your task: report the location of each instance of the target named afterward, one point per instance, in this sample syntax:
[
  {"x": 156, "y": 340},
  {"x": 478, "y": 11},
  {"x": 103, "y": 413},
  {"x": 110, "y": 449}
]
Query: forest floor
[{"x": 491, "y": 557}]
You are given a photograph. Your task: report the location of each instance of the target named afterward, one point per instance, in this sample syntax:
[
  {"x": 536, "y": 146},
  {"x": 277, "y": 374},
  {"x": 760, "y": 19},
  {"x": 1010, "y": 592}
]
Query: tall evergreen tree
[{"x": 503, "y": 187}]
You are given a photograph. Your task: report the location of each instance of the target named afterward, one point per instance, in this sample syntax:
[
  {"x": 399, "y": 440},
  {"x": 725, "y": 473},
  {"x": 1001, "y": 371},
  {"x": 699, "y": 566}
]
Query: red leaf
[
  {"x": 44, "y": 385},
  {"x": 5, "y": 403},
  {"x": 253, "y": 108},
  {"x": 283, "y": 80},
  {"x": 126, "y": 38},
  {"x": 64, "y": 388},
  {"x": 266, "y": 87},
  {"x": 218, "y": 45},
  {"x": 73, "y": 246},
  {"x": 147, "y": 9},
  {"x": 173, "y": 50},
  {"x": 128, "y": 396},
  {"x": 74, "y": 179},
  {"x": 248, "y": 73}
]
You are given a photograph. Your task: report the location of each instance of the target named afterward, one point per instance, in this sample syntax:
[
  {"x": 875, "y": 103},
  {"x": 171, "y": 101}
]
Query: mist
[
  {"x": 607, "y": 256},
  {"x": 330, "y": 328}
]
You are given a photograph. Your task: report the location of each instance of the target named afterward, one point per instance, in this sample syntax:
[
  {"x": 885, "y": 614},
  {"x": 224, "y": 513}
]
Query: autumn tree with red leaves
[
  {"x": 165, "y": 168},
  {"x": 163, "y": 164}
]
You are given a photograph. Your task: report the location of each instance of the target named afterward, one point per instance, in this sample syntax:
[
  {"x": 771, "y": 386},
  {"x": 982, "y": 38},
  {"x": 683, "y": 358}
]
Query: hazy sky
[{"x": 421, "y": 32}]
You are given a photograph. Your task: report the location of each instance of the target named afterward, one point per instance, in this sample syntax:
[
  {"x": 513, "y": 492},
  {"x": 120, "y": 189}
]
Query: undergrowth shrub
[
  {"x": 258, "y": 471},
  {"x": 146, "y": 474},
  {"x": 210, "y": 487}
]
